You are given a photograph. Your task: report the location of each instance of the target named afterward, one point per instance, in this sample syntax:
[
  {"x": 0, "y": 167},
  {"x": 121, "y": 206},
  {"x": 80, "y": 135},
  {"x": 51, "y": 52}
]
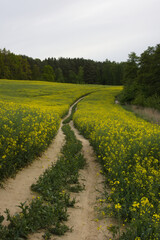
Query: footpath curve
[{"x": 83, "y": 216}]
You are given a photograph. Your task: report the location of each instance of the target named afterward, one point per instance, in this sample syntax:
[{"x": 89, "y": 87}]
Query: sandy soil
[{"x": 83, "y": 216}]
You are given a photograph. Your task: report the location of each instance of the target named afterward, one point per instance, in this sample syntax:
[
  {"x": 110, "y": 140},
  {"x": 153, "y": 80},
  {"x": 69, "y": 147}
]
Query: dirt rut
[{"x": 84, "y": 217}]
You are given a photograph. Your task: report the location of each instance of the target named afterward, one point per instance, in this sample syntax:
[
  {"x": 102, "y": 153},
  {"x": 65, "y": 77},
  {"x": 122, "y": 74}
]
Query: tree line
[
  {"x": 142, "y": 79},
  {"x": 140, "y": 75},
  {"x": 66, "y": 70}
]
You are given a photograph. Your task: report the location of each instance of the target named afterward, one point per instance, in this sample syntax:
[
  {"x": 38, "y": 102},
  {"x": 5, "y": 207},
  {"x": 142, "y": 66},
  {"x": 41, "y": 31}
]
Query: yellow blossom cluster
[{"x": 24, "y": 133}]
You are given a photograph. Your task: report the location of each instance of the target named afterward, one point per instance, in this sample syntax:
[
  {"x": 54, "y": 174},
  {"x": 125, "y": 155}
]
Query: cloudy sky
[{"x": 92, "y": 29}]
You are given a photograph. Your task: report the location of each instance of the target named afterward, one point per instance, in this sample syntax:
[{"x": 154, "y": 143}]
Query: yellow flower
[
  {"x": 135, "y": 204},
  {"x": 118, "y": 206}
]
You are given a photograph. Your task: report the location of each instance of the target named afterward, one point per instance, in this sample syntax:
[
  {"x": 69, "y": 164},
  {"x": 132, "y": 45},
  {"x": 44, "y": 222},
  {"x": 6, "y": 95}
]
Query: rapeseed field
[
  {"x": 30, "y": 114},
  {"x": 127, "y": 146},
  {"x": 129, "y": 151}
]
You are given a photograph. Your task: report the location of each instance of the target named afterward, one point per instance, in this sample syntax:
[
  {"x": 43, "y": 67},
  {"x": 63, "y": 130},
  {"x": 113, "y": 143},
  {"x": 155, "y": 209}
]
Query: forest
[
  {"x": 142, "y": 79},
  {"x": 65, "y": 70},
  {"x": 140, "y": 75}
]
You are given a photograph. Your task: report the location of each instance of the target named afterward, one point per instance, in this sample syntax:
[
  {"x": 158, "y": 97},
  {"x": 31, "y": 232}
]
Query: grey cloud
[{"x": 96, "y": 29}]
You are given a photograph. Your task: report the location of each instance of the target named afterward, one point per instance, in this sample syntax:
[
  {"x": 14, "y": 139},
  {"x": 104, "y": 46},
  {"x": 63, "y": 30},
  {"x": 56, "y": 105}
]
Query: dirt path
[{"x": 83, "y": 216}]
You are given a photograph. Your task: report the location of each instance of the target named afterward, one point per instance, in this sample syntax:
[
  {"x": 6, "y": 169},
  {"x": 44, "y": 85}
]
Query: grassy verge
[
  {"x": 148, "y": 114},
  {"x": 49, "y": 210}
]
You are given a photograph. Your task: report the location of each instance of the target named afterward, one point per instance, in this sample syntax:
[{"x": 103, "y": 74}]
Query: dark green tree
[
  {"x": 142, "y": 79},
  {"x": 48, "y": 73},
  {"x": 131, "y": 68},
  {"x": 59, "y": 75},
  {"x": 72, "y": 76},
  {"x": 80, "y": 75},
  {"x": 36, "y": 73}
]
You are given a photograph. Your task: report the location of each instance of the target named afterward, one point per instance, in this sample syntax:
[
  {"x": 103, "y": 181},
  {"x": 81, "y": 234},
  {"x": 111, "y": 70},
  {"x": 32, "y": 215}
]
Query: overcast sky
[{"x": 92, "y": 29}]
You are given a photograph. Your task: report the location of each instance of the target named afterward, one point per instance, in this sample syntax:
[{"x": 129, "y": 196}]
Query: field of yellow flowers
[
  {"x": 30, "y": 114},
  {"x": 129, "y": 151},
  {"x": 127, "y": 146}
]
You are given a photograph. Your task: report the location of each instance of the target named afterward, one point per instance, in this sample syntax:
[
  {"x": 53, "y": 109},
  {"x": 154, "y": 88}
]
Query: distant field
[
  {"x": 55, "y": 96},
  {"x": 127, "y": 146},
  {"x": 29, "y": 118}
]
